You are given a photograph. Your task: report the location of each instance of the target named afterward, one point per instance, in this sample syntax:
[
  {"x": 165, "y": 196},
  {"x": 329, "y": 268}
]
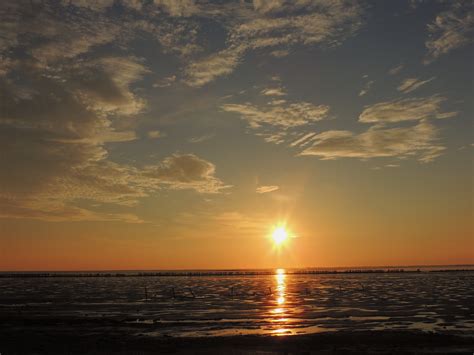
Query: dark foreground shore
[{"x": 112, "y": 341}]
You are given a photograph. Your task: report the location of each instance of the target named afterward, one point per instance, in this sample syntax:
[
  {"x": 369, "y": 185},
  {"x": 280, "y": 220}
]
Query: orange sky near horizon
[{"x": 118, "y": 249}]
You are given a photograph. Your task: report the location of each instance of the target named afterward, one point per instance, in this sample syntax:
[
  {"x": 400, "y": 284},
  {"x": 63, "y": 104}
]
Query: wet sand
[
  {"x": 414, "y": 313},
  {"x": 253, "y": 305}
]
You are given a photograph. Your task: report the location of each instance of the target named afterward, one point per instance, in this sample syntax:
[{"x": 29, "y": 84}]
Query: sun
[{"x": 279, "y": 235}]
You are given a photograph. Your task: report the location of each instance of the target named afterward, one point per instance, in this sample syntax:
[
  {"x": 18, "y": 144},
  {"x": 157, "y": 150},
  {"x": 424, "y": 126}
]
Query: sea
[{"x": 280, "y": 302}]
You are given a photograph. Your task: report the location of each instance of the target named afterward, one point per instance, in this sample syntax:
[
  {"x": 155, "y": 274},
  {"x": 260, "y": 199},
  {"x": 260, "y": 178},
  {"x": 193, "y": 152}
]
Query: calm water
[{"x": 277, "y": 304}]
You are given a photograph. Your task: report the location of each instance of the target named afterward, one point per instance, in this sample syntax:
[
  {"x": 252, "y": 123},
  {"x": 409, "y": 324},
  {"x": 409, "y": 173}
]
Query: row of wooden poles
[{"x": 208, "y": 273}]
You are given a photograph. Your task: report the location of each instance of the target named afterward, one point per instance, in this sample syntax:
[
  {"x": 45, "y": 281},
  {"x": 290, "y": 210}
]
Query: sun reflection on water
[{"x": 280, "y": 300}]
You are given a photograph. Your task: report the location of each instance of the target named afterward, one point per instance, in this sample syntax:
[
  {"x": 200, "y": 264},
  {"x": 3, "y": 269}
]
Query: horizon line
[{"x": 241, "y": 269}]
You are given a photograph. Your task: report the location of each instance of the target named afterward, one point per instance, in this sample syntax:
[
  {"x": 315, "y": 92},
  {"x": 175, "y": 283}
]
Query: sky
[{"x": 177, "y": 134}]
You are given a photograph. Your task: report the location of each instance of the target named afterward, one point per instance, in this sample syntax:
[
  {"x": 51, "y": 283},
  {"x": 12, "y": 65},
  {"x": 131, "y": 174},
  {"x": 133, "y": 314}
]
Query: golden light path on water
[{"x": 280, "y": 298}]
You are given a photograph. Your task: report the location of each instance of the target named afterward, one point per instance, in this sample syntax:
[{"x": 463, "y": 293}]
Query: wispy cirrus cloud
[
  {"x": 366, "y": 87},
  {"x": 165, "y": 82},
  {"x": 274, "y": 91},
  {"x": 382, "y": 140},
  {"x": 199, "y": 139},
  {"x": 219, "y": 64},
  {"x": 396, "y": 70},
  {"x": 411, "y": 84},
  {"x": 420, "y": 141},
  {"x": 266, "y": 189},
  {"x": 451, "y": 29},
  {"x": 284, "y": 114},
  {"x": 175, "y": 8},
  {"x": 277, "y": 26},
  {"x": 155, "y": 134},
  {"x": 410, "y": 109},
  {"x": 277, "y": 120},
  {"x": 303, "y": 139},
  {"x": 175, "y": 25},
  {"x": 280, "y": 53}
]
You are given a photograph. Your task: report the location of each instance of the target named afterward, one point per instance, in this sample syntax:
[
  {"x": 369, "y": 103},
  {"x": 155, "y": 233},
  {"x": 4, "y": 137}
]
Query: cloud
[
  {"x": 405, "y": 110},
  {"x": 165, "y": 82},
  {"x": 159, "y": 19},
  {"x": 202, "y": 138},
  {"x": 186, "y": 171},
  {"x": 450, "y": 30},
  {"x": 411, "y": 84},
  {"x": 419, "y": 140},
  {"x": 52, "y": 34},
  {"x": 95, "y": 5},
  {"x": 278, "y": 26},
  {"x": 69, "y": 29},
  {"x": 218, "y": 64},
  {"x": 278, "y": 120},
  {"x": 154, "y": 134},
  {"x": 173, "y": 36},
  {"x": 366, "y": 88},
  {"x": 52, "y": 195},
  {"x": 57, "y": 175},
  {"x": 6, "y": 65},
  {"x": 177, "y": 8},
  {"x": 64, "y": 101},
  {"x": 51, "y": 39},
  {"x": 266, "y": 189},
  {"x": 72, "y": 40},
  {"x": 58, "y": 213},
  {"x": 107, "y": 136},
  {"x": 283, "y": 115},
  {"x": 174, "y": 8},
  {"x": 302, "y": 23},
  {"x": 277, "y": 91},
  {"x": 302, "y": 140},
  {"x": 75, "y": 104},
  {"x": 273, "y": 137},
  {"x": 104, "y": 84},
  {"x": 277, "y": 102},
  {"x": 265, "y": 6},
  {"x": 396, "y": 70},
  {"x": 280, "y": 53}
]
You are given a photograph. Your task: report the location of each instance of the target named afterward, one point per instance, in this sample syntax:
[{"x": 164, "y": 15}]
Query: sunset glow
[{"x": 210, "y": 175}]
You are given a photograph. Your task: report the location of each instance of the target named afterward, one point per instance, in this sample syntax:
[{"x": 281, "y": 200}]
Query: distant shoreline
[
  {"x": 223, "y": 273},
  {"x": 263, "y": 269}
]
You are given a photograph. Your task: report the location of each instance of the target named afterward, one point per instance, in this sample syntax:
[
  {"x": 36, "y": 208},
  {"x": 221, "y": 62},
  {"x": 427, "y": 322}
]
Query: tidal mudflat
[{"x": 80, "y": 313}]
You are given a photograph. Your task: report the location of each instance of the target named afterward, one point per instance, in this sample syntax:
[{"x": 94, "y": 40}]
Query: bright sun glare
[{"x": 279, "y": 235}]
